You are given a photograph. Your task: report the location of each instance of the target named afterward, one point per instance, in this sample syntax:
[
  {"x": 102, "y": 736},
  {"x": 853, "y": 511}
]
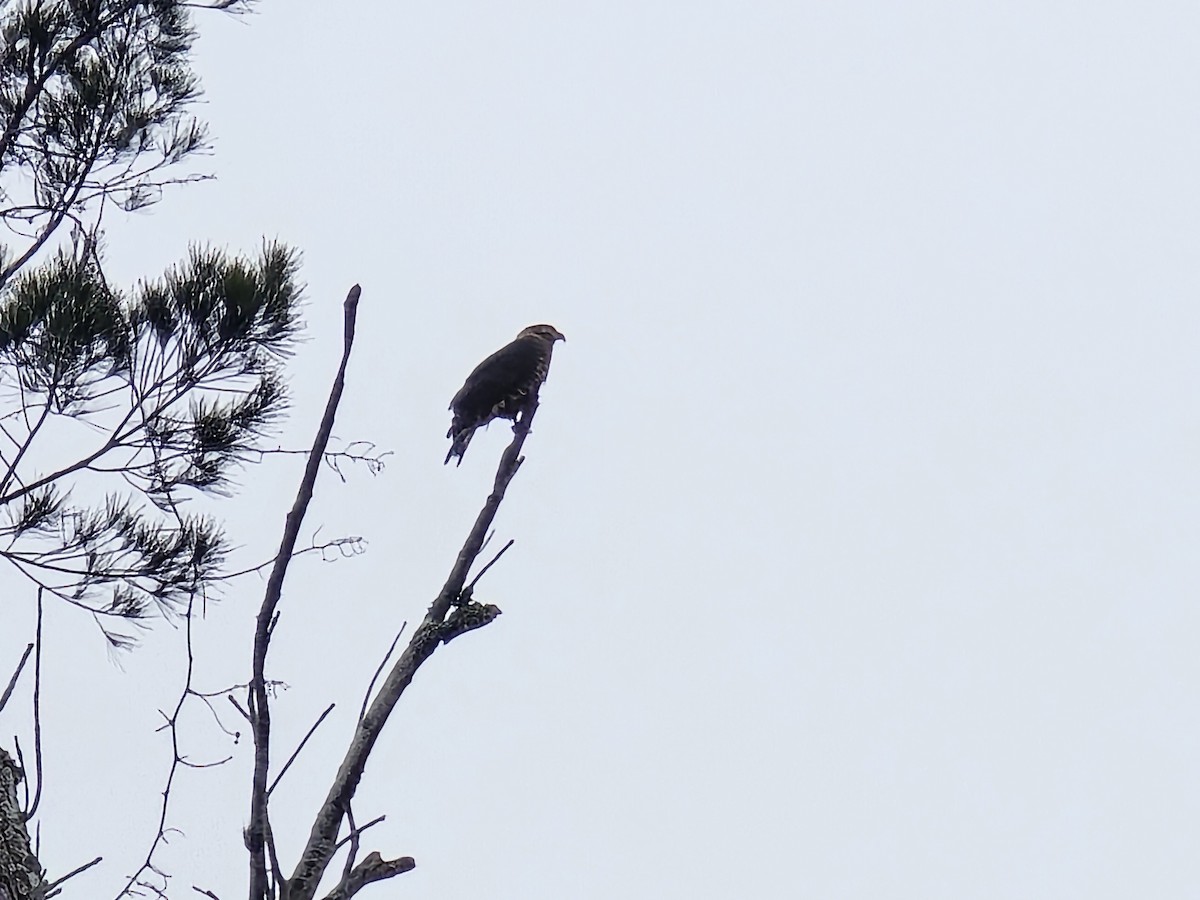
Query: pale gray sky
[{"x": 856, "y": 542}]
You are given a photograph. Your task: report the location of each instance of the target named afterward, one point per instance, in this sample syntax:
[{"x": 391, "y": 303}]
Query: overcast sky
[{"x": 856, "y": 543}]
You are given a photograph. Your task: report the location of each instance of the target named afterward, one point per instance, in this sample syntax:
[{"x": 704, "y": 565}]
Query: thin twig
[
  {"x": 354, "y": 836},
  {"x": 296, "y": 752},
  {"x": 31, "y": 435},
  {"x": 53, "y": 887},
  {"x": 12, "y": 682},
  {"x": 37, "y": 709},
  {"x": 344, "y": 841},
  {"x": 21, "y": 765},
  {"x": 379, "y": 671},
  {"x": 207, "y": 701},
  {"x": 347, "y": 547},
  {"x": 239, "y": 707},
  {"x": 135, "y": 880},
  {"x": 259, "y": 826},
  {"x": 470, "y": 587},
  {"x": 277, "y": 887},
  {"x": 375, "y": 462}
]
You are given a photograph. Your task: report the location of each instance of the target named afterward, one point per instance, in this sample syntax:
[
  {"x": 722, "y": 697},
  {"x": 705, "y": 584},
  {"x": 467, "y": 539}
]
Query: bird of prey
[{"x": 501, "y": 385}]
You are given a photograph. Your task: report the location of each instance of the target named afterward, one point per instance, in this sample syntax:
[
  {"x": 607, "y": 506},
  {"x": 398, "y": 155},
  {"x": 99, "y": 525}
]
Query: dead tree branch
[
  {"x": 54, "y": 888},
  {"x": 357, "y": 831},
  {"x": 440, "y": 625},
  {"x": 258, "y": 830},
  {"x": 495, "y": 559},
  {"x": 138, "y": 883},
  {"x": 291, "y": 759},
  {"x": 12, "y": 682},
  {"x": 373, "y": 868},
  {"x": 379, "y": 671},
  {"x": 37, "y": 710}
]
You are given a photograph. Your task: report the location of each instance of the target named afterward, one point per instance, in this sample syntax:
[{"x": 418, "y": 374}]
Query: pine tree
[
  {"x": 161, "y": 388},
  {"x": 167, "y": 385}
]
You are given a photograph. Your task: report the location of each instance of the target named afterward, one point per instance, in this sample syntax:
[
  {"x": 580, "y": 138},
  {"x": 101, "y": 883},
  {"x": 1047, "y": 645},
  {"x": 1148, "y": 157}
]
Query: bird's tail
[{"x": 458, "y": 446}]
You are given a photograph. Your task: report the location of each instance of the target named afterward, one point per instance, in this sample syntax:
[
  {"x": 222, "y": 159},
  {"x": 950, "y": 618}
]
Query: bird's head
[{"x": 545, "y": 332}]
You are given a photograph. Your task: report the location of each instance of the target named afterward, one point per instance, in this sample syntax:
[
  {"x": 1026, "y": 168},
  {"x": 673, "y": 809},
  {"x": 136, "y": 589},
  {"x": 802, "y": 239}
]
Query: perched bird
[{"x": 501, "y": 384}]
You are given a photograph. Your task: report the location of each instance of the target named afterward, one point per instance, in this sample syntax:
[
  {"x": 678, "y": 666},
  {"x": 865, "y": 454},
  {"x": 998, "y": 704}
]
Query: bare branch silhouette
[
  {"x": 136, "y": 882},
  {"x": 379, "y": 671},
  {"x": 37, "y": 710},
  {"x": 295, "y": 753},
  {"x": 451, "y": 614},
  {"x": 12, "y": 682},
  {"x": 259, "y": 828},
  {"x": 495, "y": 559},
  {"x": 55, "y": 887}
]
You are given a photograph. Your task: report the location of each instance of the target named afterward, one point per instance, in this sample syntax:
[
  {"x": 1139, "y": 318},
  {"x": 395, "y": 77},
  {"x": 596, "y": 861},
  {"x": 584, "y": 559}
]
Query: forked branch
[
  {"x": 259, "y": 829},
  {"x": 452, "y": 613}
]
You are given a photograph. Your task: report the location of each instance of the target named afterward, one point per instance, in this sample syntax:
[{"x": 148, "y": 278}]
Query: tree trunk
[{"x": 21, "y": 875}]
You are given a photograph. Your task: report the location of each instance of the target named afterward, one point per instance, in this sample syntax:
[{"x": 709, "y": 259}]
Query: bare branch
[
  {"x": 379, "y": 671},
  {"x": 234, "y": 7},
  {"x": 54, "y": 887},
  {"x": 356, "y": 453},
  {"x": 25, "y": 781},
  {"x": 357, "y": 831},
  {"x": 373, "y": 868},
  {"x": 57, "y": 215},
  {"x": 12, "y": 682},
  {"x": 37, "y": 709},
  {"x": 260, "y": 721},
  {"x": 239, "y": 707},
  {"x": 135, "y": 881},
  {"x": 434, "y": 630},
  {"x": 346, "y": 547},
  {"x": 354, "y": 836},
  {"x": 30, "y": 436},
  {"x": 296, "y": 752},
  {"x": 277, "y": 888},
  {"x": 212, "y": 709},
  {"x": 474, "y": 581}
]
